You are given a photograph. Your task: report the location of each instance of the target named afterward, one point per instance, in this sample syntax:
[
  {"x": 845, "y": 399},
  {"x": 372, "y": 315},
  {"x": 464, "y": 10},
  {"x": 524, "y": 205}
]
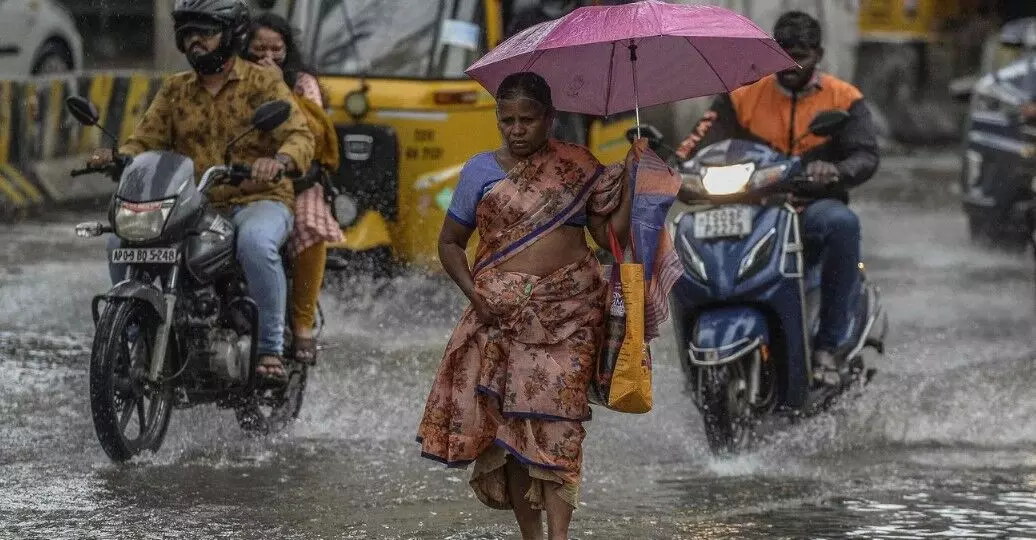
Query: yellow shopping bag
[{"x": 622, "y": 381}]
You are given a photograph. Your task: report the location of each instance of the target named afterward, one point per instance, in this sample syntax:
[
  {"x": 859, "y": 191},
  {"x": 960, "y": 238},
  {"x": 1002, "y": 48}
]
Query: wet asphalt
[{"x": 942, "y": 444}]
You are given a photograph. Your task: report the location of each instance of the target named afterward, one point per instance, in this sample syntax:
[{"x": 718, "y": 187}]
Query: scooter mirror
[
  {"x": 82, "y": 110},
  {"x": 270, "y": 115}
]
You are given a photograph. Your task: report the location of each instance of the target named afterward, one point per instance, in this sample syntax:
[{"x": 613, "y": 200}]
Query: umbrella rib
[
  {"x": 708, "y": 63},
  {"x": 608, "y": 82},
  {"x": 532, "y": 60},
  {"x": 774, "y": 47}
]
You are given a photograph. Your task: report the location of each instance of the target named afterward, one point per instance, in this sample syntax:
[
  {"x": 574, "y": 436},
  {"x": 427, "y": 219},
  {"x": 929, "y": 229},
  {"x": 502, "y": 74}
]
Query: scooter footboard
[{"x": 725, "y": 334}]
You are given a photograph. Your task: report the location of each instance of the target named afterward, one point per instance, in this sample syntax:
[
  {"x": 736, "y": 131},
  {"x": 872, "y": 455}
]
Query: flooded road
[{"x": 942, "y": 444}]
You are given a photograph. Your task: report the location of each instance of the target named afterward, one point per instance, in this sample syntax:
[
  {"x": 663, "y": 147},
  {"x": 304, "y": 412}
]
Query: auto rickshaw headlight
[
  {"x": 346, "y": 210},
  {"x": 356, "y": 104}
]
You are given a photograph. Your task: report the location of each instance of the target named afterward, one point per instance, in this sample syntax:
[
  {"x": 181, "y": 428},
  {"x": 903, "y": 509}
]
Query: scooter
[{"x": 746, "y": 309}]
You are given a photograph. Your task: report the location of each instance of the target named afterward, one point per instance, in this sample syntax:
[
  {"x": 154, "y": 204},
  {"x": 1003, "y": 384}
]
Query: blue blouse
[{"x": 478, "y": 176}]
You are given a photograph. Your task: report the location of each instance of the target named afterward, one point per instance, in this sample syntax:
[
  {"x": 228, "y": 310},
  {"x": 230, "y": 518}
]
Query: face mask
[{"x": 208, "y": 63}]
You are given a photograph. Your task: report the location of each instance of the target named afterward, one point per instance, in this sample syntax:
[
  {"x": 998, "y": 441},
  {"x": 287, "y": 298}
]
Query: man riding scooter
[
  {"x": 195, "y": 113},
  {"x": 777, "y": 111}
]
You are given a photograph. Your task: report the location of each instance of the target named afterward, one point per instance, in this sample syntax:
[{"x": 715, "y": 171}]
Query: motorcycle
[
  {"x": 180, "y": 330},
  {"x": 746, "y": 309}
]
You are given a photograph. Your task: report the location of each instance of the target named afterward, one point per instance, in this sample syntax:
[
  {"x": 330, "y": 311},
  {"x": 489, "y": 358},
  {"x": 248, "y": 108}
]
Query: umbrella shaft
[{"x": 636, "y": 95}]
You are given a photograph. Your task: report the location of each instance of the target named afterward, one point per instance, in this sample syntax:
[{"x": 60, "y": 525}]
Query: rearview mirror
[
  {"x": 82, "y": 110},
  {"x": 270, "y": 115},
  {"x": 647, "y": 131},
  {"x": 827, "y": 123}
]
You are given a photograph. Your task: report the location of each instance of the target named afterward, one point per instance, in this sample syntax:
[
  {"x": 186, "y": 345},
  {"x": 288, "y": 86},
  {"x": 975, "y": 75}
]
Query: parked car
[{"x": 37, "y": 37}]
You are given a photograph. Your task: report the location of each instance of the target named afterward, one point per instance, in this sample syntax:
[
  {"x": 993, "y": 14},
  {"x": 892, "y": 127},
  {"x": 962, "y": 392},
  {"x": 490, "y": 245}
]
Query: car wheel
[{"x": 54, "y": 57}]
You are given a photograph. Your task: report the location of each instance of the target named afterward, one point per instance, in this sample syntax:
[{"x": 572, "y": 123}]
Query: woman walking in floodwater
[{"x": 511, "y": 393}]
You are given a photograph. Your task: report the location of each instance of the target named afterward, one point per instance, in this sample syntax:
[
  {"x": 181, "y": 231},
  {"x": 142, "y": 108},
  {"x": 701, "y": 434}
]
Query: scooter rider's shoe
[{"x": 825, "y": 368}]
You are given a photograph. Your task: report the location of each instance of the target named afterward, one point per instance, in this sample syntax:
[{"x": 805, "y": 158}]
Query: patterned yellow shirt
[{"x": 187, "y": 119}]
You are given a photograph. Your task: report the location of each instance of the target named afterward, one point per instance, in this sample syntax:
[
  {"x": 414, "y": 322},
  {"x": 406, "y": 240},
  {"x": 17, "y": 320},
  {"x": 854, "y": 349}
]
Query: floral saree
[{"x": 521, "y": 388}]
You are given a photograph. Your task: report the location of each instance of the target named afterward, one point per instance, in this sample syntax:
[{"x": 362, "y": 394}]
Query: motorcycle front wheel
[{"x": 130, "y": 414}]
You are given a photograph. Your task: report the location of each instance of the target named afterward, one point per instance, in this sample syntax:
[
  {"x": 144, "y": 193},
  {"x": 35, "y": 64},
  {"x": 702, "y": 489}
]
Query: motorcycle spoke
[
  {"x": 125, "y": 415},
  {"x": 141, "y": 415}
]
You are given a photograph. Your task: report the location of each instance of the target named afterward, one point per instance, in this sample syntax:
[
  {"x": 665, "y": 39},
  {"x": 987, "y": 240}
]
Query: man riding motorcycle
[
  {"x": 776, "y": 111},
  {"x": 196, "y": 113}
]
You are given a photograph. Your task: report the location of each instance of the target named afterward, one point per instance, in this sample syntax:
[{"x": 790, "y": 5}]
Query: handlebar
[
  {"x": 235, "y": 174},
  {"x": 112, "y": 169},
  {"x": 89, "y": 170}
]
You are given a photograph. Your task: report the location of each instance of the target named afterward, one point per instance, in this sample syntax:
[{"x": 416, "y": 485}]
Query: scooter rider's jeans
[
  {"x": 262, "y": 228},
  {"x": 832, "y": 235}
]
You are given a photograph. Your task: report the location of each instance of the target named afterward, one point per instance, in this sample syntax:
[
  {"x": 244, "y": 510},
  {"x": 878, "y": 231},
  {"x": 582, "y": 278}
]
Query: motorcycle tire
[
  {"x": 269, "y": 411},
  {"x": 117, "y": 374}
]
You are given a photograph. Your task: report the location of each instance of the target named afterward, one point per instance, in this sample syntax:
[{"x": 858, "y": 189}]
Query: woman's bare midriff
[{"x": 562, "y": 247}]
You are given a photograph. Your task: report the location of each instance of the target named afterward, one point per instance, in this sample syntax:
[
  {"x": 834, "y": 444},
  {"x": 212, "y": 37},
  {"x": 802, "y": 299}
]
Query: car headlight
[
  {"x": 727, "y": 180},
  {"x": 758, "y": 256},
  {"x": 356, "y": 104},
  {"x": 140, "y": 222}
]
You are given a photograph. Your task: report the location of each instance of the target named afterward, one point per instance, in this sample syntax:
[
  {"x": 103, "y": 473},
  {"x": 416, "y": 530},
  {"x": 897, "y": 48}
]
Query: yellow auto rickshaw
[{"x": 407, "y": 116}]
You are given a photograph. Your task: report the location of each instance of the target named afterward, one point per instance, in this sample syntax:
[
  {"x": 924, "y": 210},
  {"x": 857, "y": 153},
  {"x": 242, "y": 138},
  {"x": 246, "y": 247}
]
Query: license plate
[
  {"x": 723, "y": 222},
  {"x": 144, "y": 256}
]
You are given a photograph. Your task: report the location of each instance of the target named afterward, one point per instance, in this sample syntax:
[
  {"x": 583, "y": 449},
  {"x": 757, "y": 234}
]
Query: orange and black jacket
[{"x": 767, "y": 112}]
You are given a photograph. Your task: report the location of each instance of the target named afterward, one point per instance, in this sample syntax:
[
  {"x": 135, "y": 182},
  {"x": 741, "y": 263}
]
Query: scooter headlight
[
  {"x": 758, "y": 256},
  {"x": 140, "y": 222},
  {"x": 728, "y": 179}
]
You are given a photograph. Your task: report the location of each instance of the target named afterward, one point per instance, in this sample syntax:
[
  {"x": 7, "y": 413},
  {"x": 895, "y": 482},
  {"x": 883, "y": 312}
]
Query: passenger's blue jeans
[
  {"x": 832, "y": 234},
  {"x": 262, "y": 228}
]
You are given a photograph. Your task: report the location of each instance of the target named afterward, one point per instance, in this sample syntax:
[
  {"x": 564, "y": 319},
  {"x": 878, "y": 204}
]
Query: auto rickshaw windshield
[{"x": 431, "y": 39}]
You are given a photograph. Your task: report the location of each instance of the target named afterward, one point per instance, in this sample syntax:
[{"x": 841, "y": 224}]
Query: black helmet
[
  {"x": 230, "y": 13},
  {"x": 226, "y": 15},
  {"x": 229, "y": 17}
]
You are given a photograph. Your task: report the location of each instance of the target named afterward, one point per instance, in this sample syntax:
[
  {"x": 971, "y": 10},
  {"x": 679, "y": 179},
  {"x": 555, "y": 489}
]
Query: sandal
[
  {"x": 305, "y": 351},
  {"x": 271, "y": 369}
]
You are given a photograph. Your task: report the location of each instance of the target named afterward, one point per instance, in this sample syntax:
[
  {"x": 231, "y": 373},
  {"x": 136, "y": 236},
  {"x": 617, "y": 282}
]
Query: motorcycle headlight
[
  {"x": 727, "y": 180},
  {"x": 140, "y": 222},
  {"x": 769, "y": 175},
  {"x": 758, "y": 256}
]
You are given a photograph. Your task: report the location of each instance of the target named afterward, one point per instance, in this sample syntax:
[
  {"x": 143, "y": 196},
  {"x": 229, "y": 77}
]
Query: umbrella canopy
[{"x": 593, "y": 57}]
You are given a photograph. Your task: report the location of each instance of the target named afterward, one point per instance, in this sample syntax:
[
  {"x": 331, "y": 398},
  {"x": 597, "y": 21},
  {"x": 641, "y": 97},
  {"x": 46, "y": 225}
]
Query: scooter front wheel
[{"x": 726, "y": 410}]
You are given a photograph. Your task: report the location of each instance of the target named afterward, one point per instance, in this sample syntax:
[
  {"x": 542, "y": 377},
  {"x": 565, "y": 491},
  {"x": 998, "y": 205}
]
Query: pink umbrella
[{"x": 591, "y": 57}]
